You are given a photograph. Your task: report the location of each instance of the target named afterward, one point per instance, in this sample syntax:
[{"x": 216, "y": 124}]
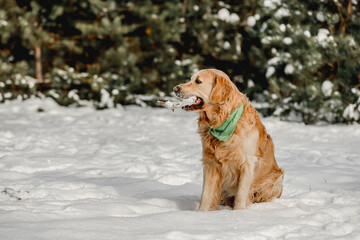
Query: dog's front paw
[
  {"x": 240, "y": 205},
  {"x": 205, "y": 209}
]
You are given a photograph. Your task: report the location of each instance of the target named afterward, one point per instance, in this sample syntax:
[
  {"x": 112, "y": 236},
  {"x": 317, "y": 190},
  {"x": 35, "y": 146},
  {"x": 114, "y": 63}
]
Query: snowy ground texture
[{"x": 135, "y": 173}]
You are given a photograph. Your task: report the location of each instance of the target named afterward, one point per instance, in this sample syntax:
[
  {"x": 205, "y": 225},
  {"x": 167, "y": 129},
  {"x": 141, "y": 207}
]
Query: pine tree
[
  {"x": 300, "y": 59},
  {"x": 310, "y": 53}
]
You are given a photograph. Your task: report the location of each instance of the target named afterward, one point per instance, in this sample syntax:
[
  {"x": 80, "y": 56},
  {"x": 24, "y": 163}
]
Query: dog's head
[{"x": 211, "y": 87}]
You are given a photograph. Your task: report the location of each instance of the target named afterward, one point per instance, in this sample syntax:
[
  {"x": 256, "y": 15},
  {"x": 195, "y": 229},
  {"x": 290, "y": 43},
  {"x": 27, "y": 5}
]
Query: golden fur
[{"x": 242, "y": 170}]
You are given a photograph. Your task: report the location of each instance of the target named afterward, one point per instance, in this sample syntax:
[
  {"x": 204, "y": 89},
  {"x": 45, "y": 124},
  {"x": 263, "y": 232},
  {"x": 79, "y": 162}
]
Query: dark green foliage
[{"x": 299, "y": 60}]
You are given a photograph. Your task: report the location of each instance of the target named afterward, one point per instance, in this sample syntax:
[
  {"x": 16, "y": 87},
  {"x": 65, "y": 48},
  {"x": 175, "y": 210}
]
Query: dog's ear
[{"x": 221, "y": 89}]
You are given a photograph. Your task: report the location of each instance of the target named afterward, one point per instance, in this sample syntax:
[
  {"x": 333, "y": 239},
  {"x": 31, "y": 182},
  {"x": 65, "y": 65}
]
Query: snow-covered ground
[{"x": 135, "y": 173}]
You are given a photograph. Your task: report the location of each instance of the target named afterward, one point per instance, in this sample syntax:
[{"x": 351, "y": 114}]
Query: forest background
[{"x": 299, "y": 60}]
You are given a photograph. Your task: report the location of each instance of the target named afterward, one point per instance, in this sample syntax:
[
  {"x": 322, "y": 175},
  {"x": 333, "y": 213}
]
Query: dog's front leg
[
  {"x": 245, "y": 181},
  {"x": 211, "y": 194}
]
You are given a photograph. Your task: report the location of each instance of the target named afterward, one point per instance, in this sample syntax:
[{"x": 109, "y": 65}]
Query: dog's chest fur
[{"x": 230, "y": 156}]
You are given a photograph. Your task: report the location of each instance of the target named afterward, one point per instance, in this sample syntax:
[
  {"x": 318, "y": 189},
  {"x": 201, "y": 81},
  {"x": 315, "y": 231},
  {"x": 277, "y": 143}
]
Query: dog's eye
[{"x": 197, "y": 81}]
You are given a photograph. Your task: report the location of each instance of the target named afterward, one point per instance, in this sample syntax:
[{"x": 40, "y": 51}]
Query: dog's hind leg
[{"x": 271, "y": 187}]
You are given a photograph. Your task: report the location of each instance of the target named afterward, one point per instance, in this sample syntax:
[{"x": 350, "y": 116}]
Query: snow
[
  {"x": 74, "y": 94},
  {"x": 282, "y": 12},
  {"x": 307, "y": 33},
  {"x": 289, "y": 68},
  {"x": 135, "y": 173},
  {"x": 250, "y": 83},
  {"x": 251, "y": 21},
  {"x": 327, "y": 88},
  {"x": 350, "y": 112},
  {"x": 270, "y": 71},
  {"x": 7, "y": 95},
  {"x": 183, "y": 62},
  {"x": 115, "y": 91},
  {"x": 225, "y": 15},
  {"x": 287, "y": 40},
  {"x": 282, "y": 27},
  {"x": 323, "y": 37},
  {"x": 272, "y": 4},
  {"x": 322, "y": 34},
  {"x": 226, "y": 45},
  {"x": 3, "y": 22},
  {"x": 274, "y": 61},
  {"x": 106, "y": 100},
  {"x": 320, "y": 16},
  {"x": 352, "y": 42}
]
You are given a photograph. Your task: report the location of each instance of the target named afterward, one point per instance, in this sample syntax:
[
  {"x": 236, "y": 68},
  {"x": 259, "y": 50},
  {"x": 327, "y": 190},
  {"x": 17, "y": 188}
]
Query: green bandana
[{"x": 224, "y": 131}]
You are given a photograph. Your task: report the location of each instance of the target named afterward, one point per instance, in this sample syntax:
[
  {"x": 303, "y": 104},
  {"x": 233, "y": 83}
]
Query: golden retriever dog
[{"x": 242, "y": 169}]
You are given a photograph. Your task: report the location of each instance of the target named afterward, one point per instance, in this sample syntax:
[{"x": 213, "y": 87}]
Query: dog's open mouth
[{"x": 195, "y": 106}]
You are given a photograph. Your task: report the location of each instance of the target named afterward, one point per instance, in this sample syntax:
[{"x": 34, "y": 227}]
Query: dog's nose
[{"x": 176, "y": 89}]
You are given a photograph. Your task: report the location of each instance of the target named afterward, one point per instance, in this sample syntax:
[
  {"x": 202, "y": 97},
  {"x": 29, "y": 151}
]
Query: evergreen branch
[
  {"x": 184, "y": 6},
  {"x": 344, "y": 20}
]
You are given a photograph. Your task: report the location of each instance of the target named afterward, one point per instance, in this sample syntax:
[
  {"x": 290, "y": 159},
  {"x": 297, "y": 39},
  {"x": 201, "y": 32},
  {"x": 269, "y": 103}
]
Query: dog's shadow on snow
[{"x": 186, "y": 197}]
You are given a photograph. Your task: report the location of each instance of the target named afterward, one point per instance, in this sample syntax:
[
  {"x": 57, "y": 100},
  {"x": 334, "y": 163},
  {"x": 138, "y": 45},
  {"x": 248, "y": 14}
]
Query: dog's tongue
[{"x": 198, "y": 101}]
